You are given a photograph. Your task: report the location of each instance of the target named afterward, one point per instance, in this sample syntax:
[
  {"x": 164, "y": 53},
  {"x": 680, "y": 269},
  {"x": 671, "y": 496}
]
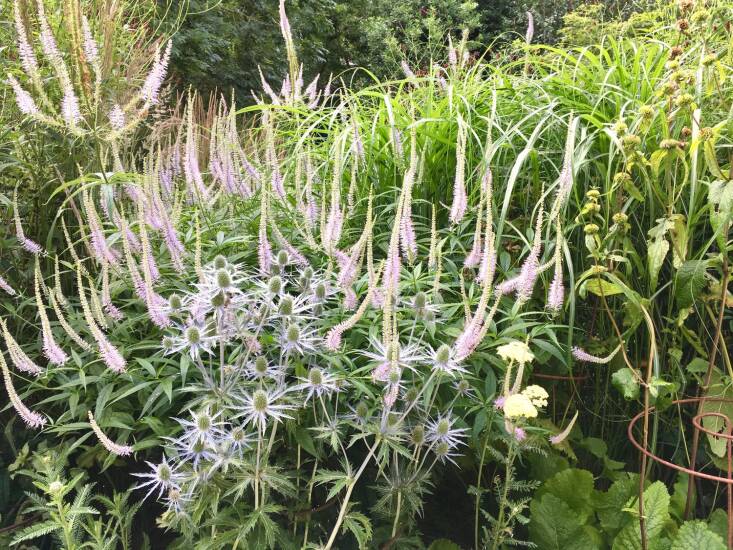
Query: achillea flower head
[
  {"x": 537, "y": 395},
  {"x": 31, "y": 418},
  {"x": 25, "y": 102},
  {"x": 515, "y": 351},
  {"x": 107, "y": 443},
  {"x": 519, "y": 406}
]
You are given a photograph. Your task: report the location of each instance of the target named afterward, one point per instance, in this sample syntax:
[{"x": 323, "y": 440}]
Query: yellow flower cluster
[{"x": 516, "y": 351}]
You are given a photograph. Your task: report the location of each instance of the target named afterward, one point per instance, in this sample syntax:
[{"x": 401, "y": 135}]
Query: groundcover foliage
[{"x": 419, "y": 313}]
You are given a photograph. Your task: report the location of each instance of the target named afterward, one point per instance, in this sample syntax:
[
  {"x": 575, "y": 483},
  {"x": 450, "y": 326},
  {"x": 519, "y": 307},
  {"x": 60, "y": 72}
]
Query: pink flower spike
[
  {"x": 581, "y": 355},
  {"x": 111, "y": 446},
  {"x": 4, "y": 285},
  {"x": 559, "y": 438}
]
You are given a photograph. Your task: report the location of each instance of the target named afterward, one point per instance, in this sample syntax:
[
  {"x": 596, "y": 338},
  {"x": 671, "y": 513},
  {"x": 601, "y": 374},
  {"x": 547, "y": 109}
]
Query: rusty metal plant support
[{"x": 726, "y": 434}]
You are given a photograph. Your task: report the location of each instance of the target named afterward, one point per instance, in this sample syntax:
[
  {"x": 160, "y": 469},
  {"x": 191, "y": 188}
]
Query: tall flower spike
[
  {"x": 31, "y": 246},
  {"x": 191, "y": 170},
  {"x": 562, "y": 436},
  {"x": 475, "y": 256},
  {"x": 264, "y": 250},
  {"x": 107, "y": 443},
  {"x": 433, "y": 252},
  {"x": 157, "y": 306},
  {"x": 581, "y": 355},
  {"x": 25, "y": 102},
  {"x": 110, "y": 354},
  {"x": 65, "y": 324},
  {"x": 5, "y": 286},
  {"x": 530, "y": 28},
  {"x": 565, "y": 180},
  {"x": 460, "y": 200},
  {"x": 289, "y": 43},
  {"x": 21, "y": 361},
  {"x": 112, "y": 310},
  {"x": 334, "y": 222},
  {"x": 150, "y": 90},
  {"x": 556, "y": 293},
  {"x": 333, "y": 338},
  {"x": 102, "y": 251},
  {"x": 51, "y": 349},
  {"x": 31, "y": 418},
  {"x": 407, "y": 229},
  {"x": 273, "y": 163},
  {"x": 531, "y": 266},
  {"x": 488, "y": 255},
  {"x": 27, "y": 55}
]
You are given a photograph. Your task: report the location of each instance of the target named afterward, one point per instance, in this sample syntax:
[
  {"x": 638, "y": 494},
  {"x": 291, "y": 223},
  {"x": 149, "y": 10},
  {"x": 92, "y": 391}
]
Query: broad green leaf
[
  {"x": 690, "y": 280},
  {"x": 657, "y": 251},
  {"x": 695, "y": 535},
  {"x": 556, "y": 526},
  {"x": 601, "y": 287},
  {"x": 609, "y": 505},
  {"x": 625, "y": 382},
  {"x": 656, "y": 512},
  {"x": 574, "y": 487},
  {"x": 719, "y": 387}
]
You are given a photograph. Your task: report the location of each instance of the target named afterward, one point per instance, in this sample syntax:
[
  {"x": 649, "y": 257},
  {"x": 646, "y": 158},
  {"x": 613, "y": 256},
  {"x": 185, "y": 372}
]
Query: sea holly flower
[
  {"x": 441, "y": 430},
  {"x": 317, "y": 383},
  {"x": 264, "y": 405},
  {"x": 444, "y": 360},
  {"x": 163, "y": 477}
]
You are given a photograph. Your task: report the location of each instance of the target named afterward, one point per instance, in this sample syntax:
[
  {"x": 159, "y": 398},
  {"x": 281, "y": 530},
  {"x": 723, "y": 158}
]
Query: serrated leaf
[
  {"x": 555, "y": 526},
  {"x": 35, "y": 531},
  {"x": 574, "y": 487},
  {"x": 690, "y": 280},
  {"x": 695, "y": 535},
  {"x": 359, "y": 526},
  {"x": 656, "y": 510}
]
